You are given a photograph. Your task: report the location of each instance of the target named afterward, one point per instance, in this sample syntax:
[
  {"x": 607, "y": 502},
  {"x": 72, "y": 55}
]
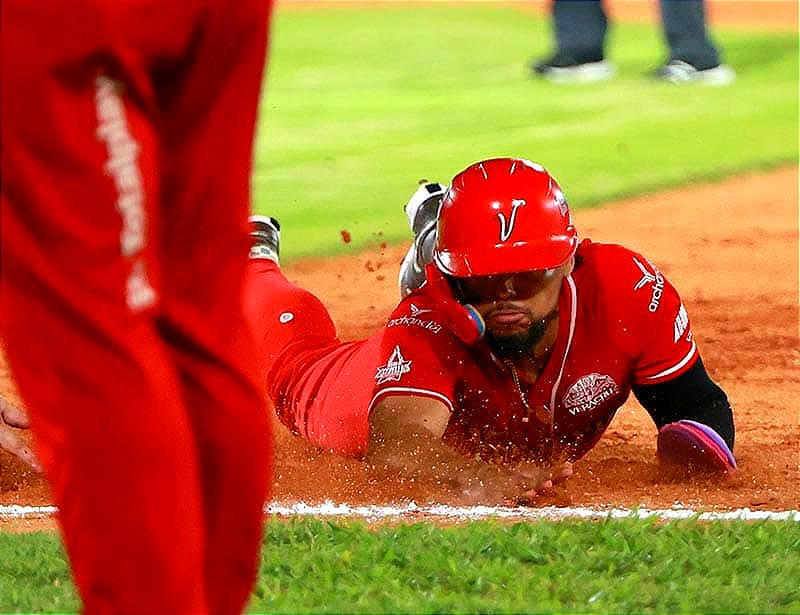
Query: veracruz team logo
[
  {"x": 507, "y": 225},
  {"x": 588, "y": 392},
  {"x": 394, "y": 369}
]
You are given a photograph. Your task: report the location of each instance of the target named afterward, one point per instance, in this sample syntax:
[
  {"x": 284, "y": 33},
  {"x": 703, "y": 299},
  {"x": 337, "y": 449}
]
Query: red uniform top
[{"x": 620, "y": 322}]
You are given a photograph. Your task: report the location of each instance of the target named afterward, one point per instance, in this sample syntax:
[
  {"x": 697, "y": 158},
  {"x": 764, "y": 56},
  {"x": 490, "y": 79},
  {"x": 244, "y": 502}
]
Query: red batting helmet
[{"x": 503, "y": 215}]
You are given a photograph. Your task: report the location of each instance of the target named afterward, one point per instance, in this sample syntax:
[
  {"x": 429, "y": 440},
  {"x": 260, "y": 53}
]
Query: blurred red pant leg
[
  {"x": 120, "y": 367},
  {"x": 204, "y": 242}
]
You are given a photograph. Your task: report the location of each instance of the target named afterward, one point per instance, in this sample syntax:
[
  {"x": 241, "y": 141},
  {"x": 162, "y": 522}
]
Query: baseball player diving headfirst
[{"x": 513, "y": 346}]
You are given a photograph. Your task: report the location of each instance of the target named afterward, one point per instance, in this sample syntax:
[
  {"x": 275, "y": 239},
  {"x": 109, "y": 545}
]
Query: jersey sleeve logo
[
  {"x": 394, "y": 369},
  {"x": 414, "y": 320},
  {"x": 655, "y": 279},
  {"x": 681, "y": 323},
  {"x": 588, "y": 392},
  {"x": 415, "y": 311}
]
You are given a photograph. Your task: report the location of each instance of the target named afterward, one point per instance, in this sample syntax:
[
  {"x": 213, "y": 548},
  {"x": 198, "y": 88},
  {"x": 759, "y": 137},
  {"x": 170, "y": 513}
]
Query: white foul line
[{"x": 442, "y": 511}]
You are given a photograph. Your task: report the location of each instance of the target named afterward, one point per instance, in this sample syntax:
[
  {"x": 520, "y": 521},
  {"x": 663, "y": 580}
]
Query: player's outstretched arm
[
  {"x": 694, "y": 419},
  {"x": 406, "y": 439},
  {"x": 13, "y": 418}
]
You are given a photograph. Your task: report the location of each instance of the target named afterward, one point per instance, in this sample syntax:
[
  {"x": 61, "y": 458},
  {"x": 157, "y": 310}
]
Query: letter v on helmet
[{"x": 507, "y": 226}]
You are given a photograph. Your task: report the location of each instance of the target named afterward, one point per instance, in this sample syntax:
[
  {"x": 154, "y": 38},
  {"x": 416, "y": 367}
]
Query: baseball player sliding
[{"x": 514, "y": 345}]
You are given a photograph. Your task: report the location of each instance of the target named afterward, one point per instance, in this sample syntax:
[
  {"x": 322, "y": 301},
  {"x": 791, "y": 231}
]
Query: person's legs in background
[
  {"x": 580, "y": 29},
  {"x": 692, "y": 55}
]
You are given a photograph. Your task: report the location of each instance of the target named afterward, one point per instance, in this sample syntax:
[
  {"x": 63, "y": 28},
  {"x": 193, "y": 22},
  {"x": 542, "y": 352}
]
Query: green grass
[
  {"x": 623, "y": 566},
  {"x": 486, "y": 567},
  {"x": 362, "y": 102},
  {"x": 34, "y": 575}
]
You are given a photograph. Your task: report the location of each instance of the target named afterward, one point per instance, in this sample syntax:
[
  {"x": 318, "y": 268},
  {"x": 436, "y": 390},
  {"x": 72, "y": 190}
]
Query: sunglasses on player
[{"x": 500, "y": 287}]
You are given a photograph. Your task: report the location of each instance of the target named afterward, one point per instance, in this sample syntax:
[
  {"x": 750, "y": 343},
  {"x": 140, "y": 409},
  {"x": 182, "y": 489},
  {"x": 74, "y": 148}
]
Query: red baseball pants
[
  {"x": 322, "y": 387},
  {"x": 127, "y": 132}
]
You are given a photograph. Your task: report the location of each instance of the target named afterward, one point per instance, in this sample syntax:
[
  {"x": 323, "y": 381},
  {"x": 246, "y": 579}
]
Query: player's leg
[
  {"x": 579, "y": 30},
  {"x": 693, "y": 58},
  {"x": 210, "y": 123},
  {"x": 78, "y": 299},
  {"x": 685, "y": 31},
  {"x": 322, "y": 387},
  {"x": 291, "y": 327}
]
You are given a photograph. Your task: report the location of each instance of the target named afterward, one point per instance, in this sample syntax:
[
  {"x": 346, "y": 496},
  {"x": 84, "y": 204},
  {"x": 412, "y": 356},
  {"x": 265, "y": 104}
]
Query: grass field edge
[{"x": 413, "y": 511}]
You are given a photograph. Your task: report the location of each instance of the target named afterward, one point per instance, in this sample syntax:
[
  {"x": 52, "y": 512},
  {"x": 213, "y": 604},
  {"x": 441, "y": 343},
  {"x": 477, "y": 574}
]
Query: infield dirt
[{"x": 731, "y": 248}]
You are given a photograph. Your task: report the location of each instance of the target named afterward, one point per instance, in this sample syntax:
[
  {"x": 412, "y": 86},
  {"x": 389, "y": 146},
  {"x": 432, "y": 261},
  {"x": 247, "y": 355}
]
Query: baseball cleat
[
  {"x": 422, "y": 211},
  {"x": 266, "y": 234},
  {"x": 423, "y": 206}
]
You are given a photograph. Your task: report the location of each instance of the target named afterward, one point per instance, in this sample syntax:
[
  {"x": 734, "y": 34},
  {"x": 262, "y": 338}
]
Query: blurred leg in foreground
[{"x": 127, "y": 133}]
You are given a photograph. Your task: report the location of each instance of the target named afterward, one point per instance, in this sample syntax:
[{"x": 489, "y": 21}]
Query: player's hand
[
  {"x": 13, "y": 418},
  {"x": 513, "y": 486},
  {"x": 544, "y": 478}
]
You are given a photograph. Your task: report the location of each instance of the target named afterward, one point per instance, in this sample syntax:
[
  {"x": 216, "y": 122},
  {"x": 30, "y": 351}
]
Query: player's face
[{"x": 517, "y": 308}]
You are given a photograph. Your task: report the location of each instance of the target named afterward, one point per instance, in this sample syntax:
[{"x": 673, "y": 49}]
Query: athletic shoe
[
  {"x": 678, "y": 71},
  {"x": 422, "y": 211},
  {"x": 422, "y": 208},
  {"x": 266, "y": 234},
  {"x": 562, "y": 69}
]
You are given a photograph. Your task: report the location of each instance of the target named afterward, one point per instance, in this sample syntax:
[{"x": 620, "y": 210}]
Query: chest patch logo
[
  {"x": 588, "y": 392},
  {"x": 394, "y": 369}
]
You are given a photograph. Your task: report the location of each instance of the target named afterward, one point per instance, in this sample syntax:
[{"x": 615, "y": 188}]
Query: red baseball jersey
[{"x": 620, "y": 322}]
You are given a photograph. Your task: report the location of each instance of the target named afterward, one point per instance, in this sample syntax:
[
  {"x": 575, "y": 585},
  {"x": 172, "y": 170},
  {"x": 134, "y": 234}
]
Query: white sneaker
[
  {"x": 679, "y": 72},
  {"x": 588, "y": 72}
]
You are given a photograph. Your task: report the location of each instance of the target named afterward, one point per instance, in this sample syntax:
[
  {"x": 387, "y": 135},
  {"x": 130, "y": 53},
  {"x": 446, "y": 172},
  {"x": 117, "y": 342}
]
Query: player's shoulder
[
  {"x": 612, "y": 266},
  {"x": 605, "y": 255}
]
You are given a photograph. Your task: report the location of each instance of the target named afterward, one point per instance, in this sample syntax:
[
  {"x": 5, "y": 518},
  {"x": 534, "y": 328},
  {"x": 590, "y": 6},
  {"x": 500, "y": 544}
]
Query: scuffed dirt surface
[{"x": 730, "y": 248}]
